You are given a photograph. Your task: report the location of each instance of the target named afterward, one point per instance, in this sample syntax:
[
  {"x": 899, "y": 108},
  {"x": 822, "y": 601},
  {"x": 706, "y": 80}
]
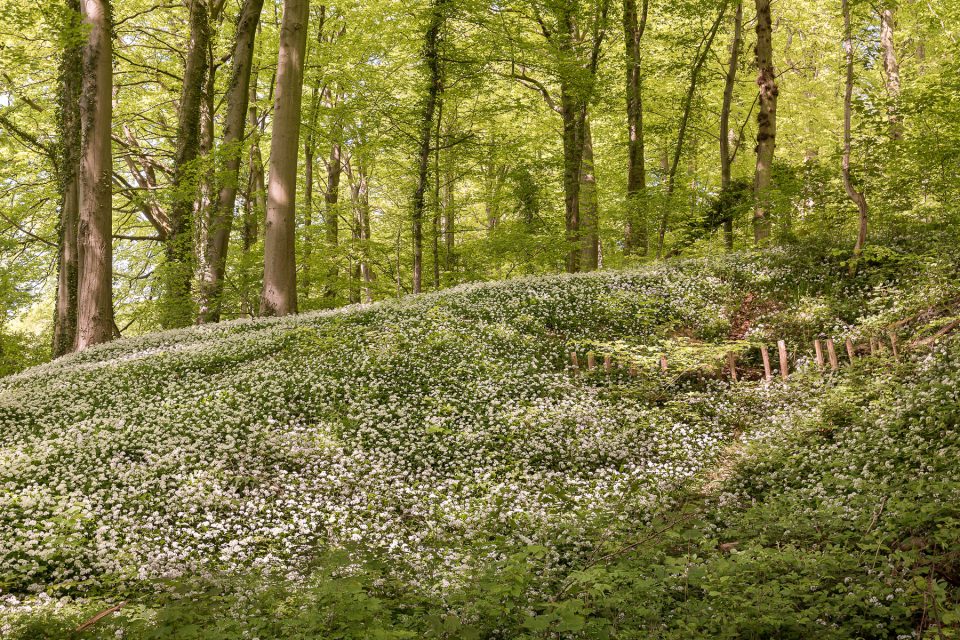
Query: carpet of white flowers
[{"x": 430, "y": 431}]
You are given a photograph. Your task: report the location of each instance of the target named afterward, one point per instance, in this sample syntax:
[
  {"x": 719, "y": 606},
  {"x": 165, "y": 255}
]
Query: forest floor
[{"x": 435, "y": 467}]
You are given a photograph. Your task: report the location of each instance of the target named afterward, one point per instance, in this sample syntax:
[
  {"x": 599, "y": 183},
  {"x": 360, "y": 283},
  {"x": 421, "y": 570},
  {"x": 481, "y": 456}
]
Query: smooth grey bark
[
  {"x": 95, "y": 248},
  {"x": 279, "y": 256}
]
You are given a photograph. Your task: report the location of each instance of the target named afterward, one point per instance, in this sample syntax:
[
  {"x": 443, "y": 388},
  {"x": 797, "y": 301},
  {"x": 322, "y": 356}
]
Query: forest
[
  {"x": 527, "y": 319},
  {"x": 232, "y": 159}
]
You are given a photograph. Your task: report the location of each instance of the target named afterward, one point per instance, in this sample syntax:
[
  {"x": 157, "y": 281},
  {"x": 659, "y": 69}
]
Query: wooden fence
[{"x": 821, "y": 348}]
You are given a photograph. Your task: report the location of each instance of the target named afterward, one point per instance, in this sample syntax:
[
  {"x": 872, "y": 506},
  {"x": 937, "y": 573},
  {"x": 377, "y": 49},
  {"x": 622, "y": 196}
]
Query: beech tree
[
  {"x": 726, "y": 134},
  {"x": 221, "y": 215},
  {"x": 177, "y": 307},
  {"x": 635, "y": 227},
  {"x": 433, "y": 85},
  {"x": 94, "y": 235},
  {"x": 68, "y": 263},
  {"x": 766, "y": 121},
  {"x": 856, "y": 196},
  {"x": 279, "y": 257},
  {"x": 891, "y": 69}
]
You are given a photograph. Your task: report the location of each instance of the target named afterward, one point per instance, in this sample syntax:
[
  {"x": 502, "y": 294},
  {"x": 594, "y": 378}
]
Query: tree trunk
[
  {"x": 436, "y": 198},
  {"x": 331, "y": 213},
  {"x": 309, "y": 158},
  {"x": 431, "y": 60},
  {"x": 254, "y": 206},
  {"x": 892, "y": 68},
  {"x": 635, "y": 236},
  {"x": 574, "y": 119},
  {"x": 279, "y": 257},
  {"x": 590, "y": 222},
  {"x": 766, "y": 122},
  {"x": 363, "y": 213},
  {"x": 700, "y": 59},
  {"x": 449, "y": 215},
  {"x": 94, "y": 291},
  {"x": 306, "y": 269},
  {"x": 71, "y": 77},
  {"x": 360, "y": 259},
  {"x": 855, "y": 196},
  {"x": 176, "y": 304},
  {"x": 257, "y": 183},
  {"x": 726, "y": 158},
  {"x": 221, "y": 217}
]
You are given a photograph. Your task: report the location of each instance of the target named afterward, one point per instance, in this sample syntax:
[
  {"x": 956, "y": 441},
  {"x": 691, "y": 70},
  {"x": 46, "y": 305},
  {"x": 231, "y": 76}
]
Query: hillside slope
[{"x": 444, "y": 445}]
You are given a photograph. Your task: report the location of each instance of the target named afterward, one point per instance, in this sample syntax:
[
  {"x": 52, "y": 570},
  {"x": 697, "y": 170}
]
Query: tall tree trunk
[
  {"x": 221, "y": 217},
  {"x": 726, "y": 158},
  {"x": 855, "y": 196},
  {"x": 257, "y": 180},
  {"x": 435, "y": 236},
  {"x": 590, "y": 222},
  {"x": 363, "y": 213},
  {"x": 766, "y": 122},
  {"x": 431, "y": 60},
  {"x": 71, "y": 77},
  {"x": 309, "y": 158},
  {"x": 699, "y": 61},
  {"x": 95, "y": 242},
  {"x": 635, "y": 235},
  {"x": 360, "y": 203},
  {"x": 255, "y": 203},
  {"x": 892, "y": 69},
  {"x": 176, "y": 307},
  {"x": 449, "y": 215},
  {"x": 331, "y": 213},
  {"x": 306, "y": 269},
  {"x": 279, "y": 257},
  {"x": 206, "y": 200},
  {"x": 573, "y": 114}
]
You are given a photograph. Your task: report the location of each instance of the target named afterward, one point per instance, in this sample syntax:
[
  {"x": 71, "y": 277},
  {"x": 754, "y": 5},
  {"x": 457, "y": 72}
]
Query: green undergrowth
[{"x": 431, "y": 468}]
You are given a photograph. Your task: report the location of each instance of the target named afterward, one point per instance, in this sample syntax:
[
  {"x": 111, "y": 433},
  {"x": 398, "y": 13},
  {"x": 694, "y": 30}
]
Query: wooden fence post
[
  {"x": 591, "y": 361},
  {"x": 574, "y": 362},
  {"x": 832, "y": 354},
  {"x": 732, "y": 362},
  {"x": 819, "y": 351},
  {"x": 607, "y": 363},
  {"x": 850, "y": 350},
  {"x": 663, "y": 363},
  {"x": 893, "y": 344},
  {"x": 873, "y": 346},
  {"x": 784, "y": 365},
  {"x": 767, "y": 373}
]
